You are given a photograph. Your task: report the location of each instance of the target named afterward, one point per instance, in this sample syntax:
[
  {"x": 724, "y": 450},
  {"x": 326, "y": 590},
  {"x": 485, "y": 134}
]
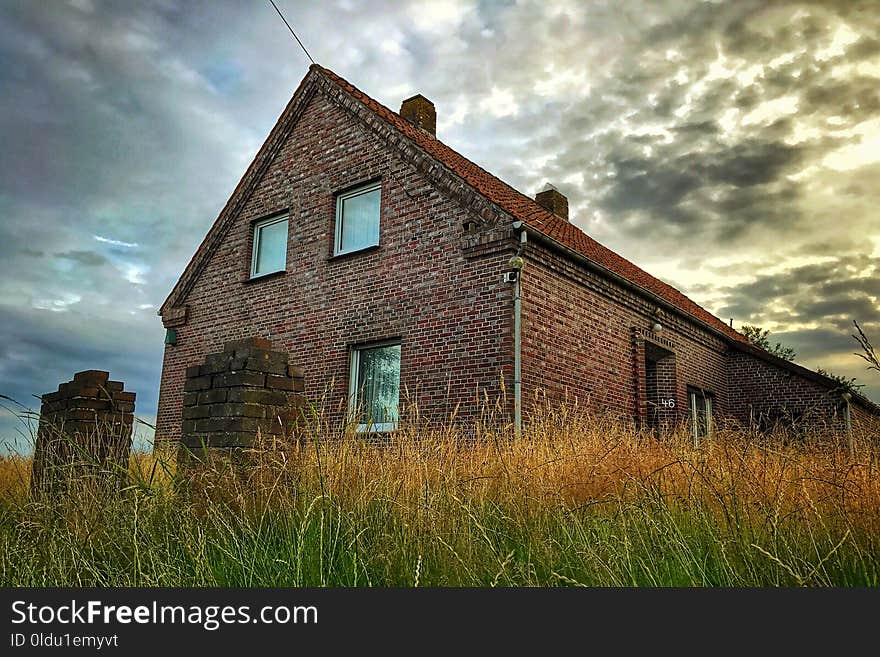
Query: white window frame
[
  {"x": 258, "y": 227},
  {"x": 354, "y": 402},
  {"x": 340, "y": 204},
  {"x": 692, "y": 402}
]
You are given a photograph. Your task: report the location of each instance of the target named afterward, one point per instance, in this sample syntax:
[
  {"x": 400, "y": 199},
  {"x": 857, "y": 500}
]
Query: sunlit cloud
[
  {"x": 135, "y": 273},
  {"x": 120, "y": 243},
  {"x": 499, "y": 103},
  {"x": 58, "y": 305}
]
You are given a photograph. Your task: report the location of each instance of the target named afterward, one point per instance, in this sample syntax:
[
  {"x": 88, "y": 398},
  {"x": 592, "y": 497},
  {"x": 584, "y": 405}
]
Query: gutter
[{"x": 617, "y": 278}]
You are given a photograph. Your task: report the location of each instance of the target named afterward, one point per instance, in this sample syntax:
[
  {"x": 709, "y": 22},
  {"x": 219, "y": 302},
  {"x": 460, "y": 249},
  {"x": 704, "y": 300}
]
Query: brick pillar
[
  {"x": 246, "y": 392},
  {"x": 84, "y": 435}
]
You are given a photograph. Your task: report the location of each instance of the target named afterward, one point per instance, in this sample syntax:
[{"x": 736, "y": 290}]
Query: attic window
[
  {"x": 357, "y": 219},
  {"x": 270, "y": 246}
]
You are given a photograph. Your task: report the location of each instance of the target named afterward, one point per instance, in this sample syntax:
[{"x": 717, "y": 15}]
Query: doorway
[{"x": 660, "y": 387}]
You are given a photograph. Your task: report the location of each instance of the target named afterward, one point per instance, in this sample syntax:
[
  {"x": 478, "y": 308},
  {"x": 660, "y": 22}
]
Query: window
[
  {"x": 375, "y": 387},
  {"x": 701, "y": 412},
  {"x": 270, "y": 246},
  {"x": 357, "y": 219}
]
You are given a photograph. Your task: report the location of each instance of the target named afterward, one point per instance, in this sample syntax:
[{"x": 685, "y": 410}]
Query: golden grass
[
  {"x": 579, "y": 462},
  {"x": 577, "y": 498}
]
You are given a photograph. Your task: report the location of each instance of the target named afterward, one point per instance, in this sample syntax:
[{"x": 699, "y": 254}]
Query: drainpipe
[{"x": 516, "y": 263}]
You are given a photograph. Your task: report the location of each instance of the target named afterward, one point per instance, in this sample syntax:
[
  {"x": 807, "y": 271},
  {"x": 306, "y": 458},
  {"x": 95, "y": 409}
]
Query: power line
[
  {"x": 292, "y": 32},
  {"x": 272, "y": 2}
]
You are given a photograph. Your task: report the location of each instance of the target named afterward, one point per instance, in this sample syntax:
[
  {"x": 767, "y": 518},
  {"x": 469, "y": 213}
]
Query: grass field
[{"x": 576, "y": 501}]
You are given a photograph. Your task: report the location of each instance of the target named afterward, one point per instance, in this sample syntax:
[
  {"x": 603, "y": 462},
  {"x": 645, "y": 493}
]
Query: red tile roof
[{"x": 528, "y": 211}]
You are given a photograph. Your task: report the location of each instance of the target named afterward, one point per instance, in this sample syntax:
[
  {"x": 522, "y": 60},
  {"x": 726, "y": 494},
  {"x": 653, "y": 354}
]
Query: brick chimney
[
  {"x": 550, "y": 199},
  {"x": 420, "y": 111}
]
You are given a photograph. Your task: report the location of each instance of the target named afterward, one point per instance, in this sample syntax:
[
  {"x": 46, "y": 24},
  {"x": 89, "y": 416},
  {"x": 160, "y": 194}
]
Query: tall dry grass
[{"x": 578, "y": 500}]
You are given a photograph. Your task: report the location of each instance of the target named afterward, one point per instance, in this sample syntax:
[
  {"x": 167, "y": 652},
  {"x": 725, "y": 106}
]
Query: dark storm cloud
[
  {"x": 865, "y": 48},
  {"x": 702, "y": 193},
  {"x": 815, "y": 346},
  {"x": 86, "y": 258},
  {"x": 828, "y": 295},
  {"x": 854, "y": 98},
  {"x": 811, "y": 292}
]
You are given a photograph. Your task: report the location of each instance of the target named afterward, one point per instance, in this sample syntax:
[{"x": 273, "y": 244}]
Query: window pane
[
  {"x": 360, "y": 221},
  {"x": 271, "y": 245},
  {"x": 379, "y": 384},
  {"x": 701, "y": 410}
]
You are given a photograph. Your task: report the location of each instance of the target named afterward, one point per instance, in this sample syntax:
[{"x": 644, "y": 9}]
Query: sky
[{"x": 729, "y": 148}]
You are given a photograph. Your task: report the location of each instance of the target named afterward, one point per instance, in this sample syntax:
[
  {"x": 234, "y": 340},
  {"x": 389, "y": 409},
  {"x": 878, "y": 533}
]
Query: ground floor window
[
  {"x": 701, "y": 412},
  {"x": 375, "y": 387}
]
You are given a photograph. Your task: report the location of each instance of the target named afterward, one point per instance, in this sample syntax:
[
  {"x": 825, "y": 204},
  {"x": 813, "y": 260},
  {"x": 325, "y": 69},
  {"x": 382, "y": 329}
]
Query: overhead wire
[{"x": 272, "y": 2}]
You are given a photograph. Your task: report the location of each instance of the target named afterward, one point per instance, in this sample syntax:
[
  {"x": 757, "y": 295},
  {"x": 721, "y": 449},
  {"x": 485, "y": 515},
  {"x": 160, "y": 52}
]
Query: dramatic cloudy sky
[{"x": 733, "y": 149}]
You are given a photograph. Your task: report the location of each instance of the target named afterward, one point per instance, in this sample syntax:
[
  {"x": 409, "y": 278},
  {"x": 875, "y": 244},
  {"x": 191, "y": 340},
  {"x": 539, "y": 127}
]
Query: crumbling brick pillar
[
  {"x": 245, "y": 393},
  {"x": 84, "y": 435}
]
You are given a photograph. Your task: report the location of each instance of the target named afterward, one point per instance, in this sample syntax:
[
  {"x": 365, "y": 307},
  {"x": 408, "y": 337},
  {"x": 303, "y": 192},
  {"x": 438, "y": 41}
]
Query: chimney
[
  {"x": 420, "y": 111},
  {"x": 550, "y": 199}
]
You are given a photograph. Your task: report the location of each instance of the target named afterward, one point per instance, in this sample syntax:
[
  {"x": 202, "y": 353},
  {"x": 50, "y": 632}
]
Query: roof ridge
[{"x": 525, "y": 208}]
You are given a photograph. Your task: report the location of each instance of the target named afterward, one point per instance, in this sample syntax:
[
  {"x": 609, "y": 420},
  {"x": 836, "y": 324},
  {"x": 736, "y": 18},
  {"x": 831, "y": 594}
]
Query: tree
[
  {"x": 759, "y": 337},
  {"x": 844, "y": 384}
]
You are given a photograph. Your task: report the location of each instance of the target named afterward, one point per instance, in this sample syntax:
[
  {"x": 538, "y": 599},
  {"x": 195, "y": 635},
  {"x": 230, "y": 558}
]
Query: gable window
[
  {"x": 375, "y": 387},
  {"x": 270, "y": 246},
  {"x": 701, "y": 412},
  {"x": 357, "y": 219}
]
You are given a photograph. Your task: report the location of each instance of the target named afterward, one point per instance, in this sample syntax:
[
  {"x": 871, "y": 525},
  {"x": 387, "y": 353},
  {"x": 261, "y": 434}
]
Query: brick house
[{"x": 394, "y": 270}]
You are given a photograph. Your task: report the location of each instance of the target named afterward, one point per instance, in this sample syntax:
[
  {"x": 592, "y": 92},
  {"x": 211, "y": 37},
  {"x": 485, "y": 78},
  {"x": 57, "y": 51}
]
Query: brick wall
[
  {"x": 427, "y": 284},
  {"x": 766, "y": 394},
  {"x": 865, "y": 422},
  {"x": 585, "y": 337}
]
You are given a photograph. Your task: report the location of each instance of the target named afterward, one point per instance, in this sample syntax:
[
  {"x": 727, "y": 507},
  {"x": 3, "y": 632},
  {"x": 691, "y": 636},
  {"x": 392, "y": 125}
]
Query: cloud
[
  {"x": 812, "y": 307},
  {"x": 83, "y": 257},
  {"x": 107, "y": 240}
]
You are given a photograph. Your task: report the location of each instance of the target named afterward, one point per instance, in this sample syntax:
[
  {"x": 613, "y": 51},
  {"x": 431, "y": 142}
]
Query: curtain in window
[
  {"x": 360, "y": 221},
  {"x": 271, "y": 247},
  {"x": 379, "y": 384}
]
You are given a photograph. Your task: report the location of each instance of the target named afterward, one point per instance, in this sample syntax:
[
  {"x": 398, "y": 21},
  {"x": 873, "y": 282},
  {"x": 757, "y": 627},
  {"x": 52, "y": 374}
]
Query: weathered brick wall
[
  {"x": 764, "y": 394},
  {"x": 246, "y": 392},
  {"x": 866, "y": 423},
  {"x": 84, "y": 433},
  {"x": 584, "y": 339},
  {"x": 439, "y": 292}
]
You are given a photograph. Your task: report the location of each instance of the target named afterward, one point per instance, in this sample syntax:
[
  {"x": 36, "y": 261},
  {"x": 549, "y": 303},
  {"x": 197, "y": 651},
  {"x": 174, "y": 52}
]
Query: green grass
[{"x": 588, "y": 503}]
